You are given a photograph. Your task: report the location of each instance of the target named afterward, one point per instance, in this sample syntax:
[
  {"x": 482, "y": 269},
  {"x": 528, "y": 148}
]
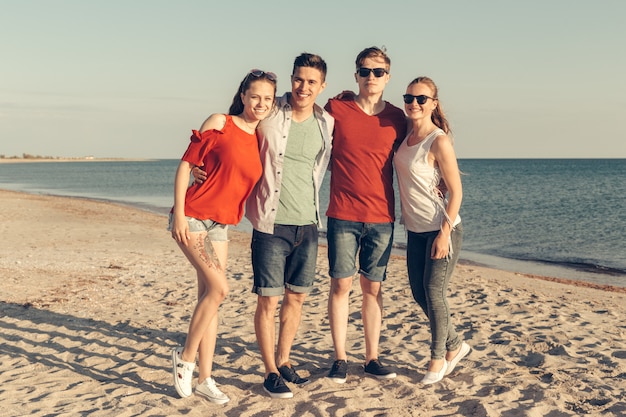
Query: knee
[
  {"x": 340, "y": 286},
  {"x": 294, "y": 299},
  {"x": 266, "y": 304},
  {"x": 436, "y": 301},
  {"x": 217, "y": 292},
  {"x": 223, "y": 292},
  {"x": 371, "y": 288},
  {"x": 434, "y": 291}
]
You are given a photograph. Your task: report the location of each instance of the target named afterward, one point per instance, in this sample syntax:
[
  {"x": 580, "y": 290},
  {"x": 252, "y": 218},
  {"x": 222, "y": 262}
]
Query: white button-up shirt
[{"x": 262, "y": 205}]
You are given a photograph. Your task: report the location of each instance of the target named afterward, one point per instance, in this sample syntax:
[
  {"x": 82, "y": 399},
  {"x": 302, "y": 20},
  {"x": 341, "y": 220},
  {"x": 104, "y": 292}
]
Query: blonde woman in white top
[{"x": 430, "y": 193}]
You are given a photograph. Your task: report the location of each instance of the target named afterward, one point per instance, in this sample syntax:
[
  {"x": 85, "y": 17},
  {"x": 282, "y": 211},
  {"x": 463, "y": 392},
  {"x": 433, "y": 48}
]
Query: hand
[
  {"x": 345, "y": 95},
  {"x": 441, "y": 247},
  {"x": 199, "y": 176},
  {"x": 442, "y": 187},
  {"x": 180, "y": 230}
]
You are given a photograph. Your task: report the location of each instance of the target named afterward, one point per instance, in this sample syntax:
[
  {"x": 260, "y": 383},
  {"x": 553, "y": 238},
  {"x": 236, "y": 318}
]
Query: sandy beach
[{"x": 95, "y": 295}]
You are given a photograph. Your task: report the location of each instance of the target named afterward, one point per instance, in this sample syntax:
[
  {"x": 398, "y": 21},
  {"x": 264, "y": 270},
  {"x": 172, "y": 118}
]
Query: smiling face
[
  {"x": 258, "y": 99},
  {"x": 306, "y": 84},
  {"x": 416, "y": 111}
]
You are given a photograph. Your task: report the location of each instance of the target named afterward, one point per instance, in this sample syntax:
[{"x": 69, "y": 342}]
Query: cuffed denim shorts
[
  {"x": 371, "y": 241},
  {"x": 284, "y": 259},
  {"x": 217, "y": 232}
]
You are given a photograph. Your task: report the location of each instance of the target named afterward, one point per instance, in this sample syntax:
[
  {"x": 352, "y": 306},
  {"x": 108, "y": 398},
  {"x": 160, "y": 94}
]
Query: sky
[{"x": 132, "y": 78}]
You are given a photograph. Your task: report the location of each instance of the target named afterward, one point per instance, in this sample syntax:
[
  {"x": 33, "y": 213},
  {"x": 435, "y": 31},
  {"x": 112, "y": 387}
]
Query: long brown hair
[{"x": 237, "y": 105}]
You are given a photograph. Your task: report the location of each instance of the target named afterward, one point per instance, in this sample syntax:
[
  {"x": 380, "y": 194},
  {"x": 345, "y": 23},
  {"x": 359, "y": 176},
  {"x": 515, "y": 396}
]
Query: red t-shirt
[
  {"x": 361, "y": 182},
  {"x": 231, "y": 160}
]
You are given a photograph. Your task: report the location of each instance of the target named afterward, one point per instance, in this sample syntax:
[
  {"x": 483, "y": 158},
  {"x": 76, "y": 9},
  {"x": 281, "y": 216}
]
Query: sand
[{"x": 94, "y": 296}]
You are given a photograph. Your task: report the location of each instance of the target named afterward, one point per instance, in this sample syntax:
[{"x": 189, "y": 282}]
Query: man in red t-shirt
[{"x": 361, "y": 210}]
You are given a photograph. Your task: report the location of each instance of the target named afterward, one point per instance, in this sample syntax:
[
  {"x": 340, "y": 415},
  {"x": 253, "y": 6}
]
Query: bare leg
[
  {"x": 209, "y": 259},
  {"x": 290, "y": 316},
  {"x": 338, "y": 311},
  {"x": 451, "y": 354},
  {"x": 265, "y": 328},
  {"x": 372, "y": 313},
  {"x": 435, "y": 365}
]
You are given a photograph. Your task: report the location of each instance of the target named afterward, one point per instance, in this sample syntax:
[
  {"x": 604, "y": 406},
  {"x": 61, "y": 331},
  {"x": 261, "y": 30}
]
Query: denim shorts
[
  {"x": 217, "y": 232},
  {"x": 284, "y": 259},
  {"x": 372, "y": 242}
]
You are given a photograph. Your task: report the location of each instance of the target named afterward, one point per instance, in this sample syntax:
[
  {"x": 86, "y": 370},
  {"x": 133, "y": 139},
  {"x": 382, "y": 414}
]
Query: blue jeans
[
  {"x": 286, "y": 258},
  {"x": 372, "y": 241},
  {"x": 429, "y": 279}
]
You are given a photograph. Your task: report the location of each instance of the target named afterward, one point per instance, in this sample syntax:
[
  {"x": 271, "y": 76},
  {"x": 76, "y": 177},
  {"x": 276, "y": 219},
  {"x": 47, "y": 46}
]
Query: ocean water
[{"x": 557, "y": 217}]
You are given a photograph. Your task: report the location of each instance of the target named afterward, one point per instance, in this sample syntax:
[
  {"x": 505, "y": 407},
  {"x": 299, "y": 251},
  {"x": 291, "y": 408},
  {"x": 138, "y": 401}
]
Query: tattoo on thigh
[{"x": 208, "y": 254}]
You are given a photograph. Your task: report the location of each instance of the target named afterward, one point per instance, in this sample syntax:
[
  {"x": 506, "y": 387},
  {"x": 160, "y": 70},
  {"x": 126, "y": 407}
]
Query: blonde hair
[
  {"x": 373, "y": 52},
  {"x": 438, "y": 117}
]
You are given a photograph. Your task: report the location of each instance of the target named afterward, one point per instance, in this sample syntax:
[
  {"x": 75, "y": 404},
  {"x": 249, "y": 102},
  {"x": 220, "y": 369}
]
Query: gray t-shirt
[{"x": 297, "y": 194}]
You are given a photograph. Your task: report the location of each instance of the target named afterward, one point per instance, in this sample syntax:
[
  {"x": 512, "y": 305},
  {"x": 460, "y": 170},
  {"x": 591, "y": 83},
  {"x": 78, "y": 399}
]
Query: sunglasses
[
  {"x": 421, "y": 99},
  {"x": 378, "y": 72},
  {"x": 259, "y": 73}
]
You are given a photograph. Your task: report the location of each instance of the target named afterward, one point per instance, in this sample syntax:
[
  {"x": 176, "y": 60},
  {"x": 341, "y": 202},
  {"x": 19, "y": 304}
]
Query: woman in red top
[{"x": 226, "y": 146}]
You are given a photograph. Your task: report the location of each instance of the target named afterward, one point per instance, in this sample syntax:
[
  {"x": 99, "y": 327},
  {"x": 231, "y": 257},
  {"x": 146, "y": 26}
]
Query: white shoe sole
[
  {"x": 213, "y": 399},
  {"x": 278, "y": 394}
]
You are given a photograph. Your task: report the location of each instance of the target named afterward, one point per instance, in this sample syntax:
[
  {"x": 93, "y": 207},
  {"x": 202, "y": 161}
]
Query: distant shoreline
[
  {"x": 78, "y": 159},
  {"x": 16, "y": 160},
  {"x": 156, "y": 197}
]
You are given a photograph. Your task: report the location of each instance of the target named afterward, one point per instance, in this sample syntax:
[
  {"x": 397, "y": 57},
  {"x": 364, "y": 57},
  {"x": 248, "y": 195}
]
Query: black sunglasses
[
  {"x": 378, "y": 72},
  {"x": 259, "y": 73},
  {"x": 421, "y": 99}
]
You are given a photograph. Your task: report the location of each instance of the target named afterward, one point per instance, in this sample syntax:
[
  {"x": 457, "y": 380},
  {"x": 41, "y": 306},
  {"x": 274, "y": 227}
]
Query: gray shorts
[
  {"x": 371, "y": 242},
  {"x": 217, "y": 232},
  {"x": 284, "y": 259}
]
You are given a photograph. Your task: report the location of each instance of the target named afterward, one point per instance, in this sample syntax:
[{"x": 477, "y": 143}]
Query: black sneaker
[
  {"x": 339, "y": 372},
  {"x": 289, "y": 374},
  {"x": 275, "y": 387},
  {"x": 376, "y": 369}
]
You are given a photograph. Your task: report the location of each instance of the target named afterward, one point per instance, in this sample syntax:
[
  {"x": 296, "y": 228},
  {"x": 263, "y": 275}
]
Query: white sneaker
[
  {"x": 183, "y": 373},
  {"x": 434, "y": 377},
  {"x": 209, "y": 390},
  {"x": 465, "y": 349}
]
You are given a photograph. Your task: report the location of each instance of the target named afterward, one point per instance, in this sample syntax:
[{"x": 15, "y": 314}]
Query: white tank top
[{"x": 423, "y": 205}]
